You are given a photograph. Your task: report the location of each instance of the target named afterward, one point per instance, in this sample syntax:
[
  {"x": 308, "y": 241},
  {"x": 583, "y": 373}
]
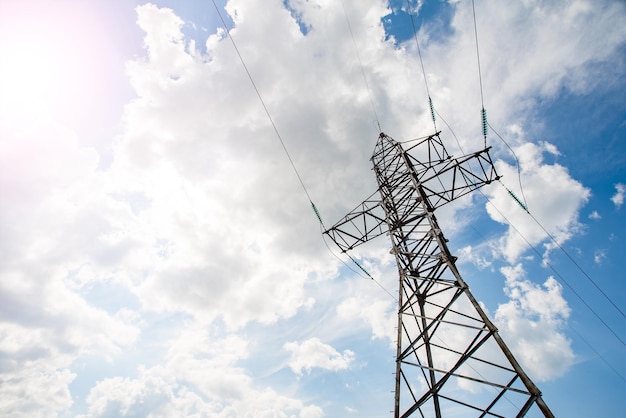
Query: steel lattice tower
[{"x": 450, "y": 359}]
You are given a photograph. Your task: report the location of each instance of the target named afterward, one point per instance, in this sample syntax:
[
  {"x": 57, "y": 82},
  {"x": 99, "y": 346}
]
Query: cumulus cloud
[
  {"x": 129, "y": 397},
  {"x": 618, "y": 197},
  {"x": 211, "y": 205},
  {"x": 199, "y": 222},
  {"x": 532, "y": 323},
  {"x": 469, "y": 254},
  {"x": 200, "y": 375},
  {"x": 367, "y": 305},
  {"x": 36, "y": 379},
  {"x": 50, "y": 227},
  {"x": 152, "y": 394},
  {"x": 557, "y": 211},
  {"x": 313, "y": 353}
]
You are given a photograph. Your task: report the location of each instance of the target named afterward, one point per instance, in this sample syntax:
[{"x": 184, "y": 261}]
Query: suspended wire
[
  {"x": 610, "y": 366},
  {"x": 433, "y": 112},
  {"x": 282, "y": 143},
  {"x": 485, "y": 123},
  {"x": 573, "y": 291},
  {"x": 522, "y": 202},
  {"x": 356, "y": 49},
  {"x": 517, "y": 163},
  {"x": 562, "y": 280},
  {"x": 607, "y": 326},
  {"x": 578, "y": 266},
  {"x": 419, "y": 53},
  {"x": 548, "y": 264},
  {"x": 483, "y": 112},
  {"x": 537, "y": 251},
  {"x": 361, "y": 268},
  {"x": 524, "y": 206},
  {"x": 452, "y": 132},
  {"x": 258, "y": 93}
]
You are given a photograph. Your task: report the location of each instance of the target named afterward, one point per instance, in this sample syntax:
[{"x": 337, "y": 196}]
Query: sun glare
[
  {"x": 33, "y": 79},
  {"x": 50, "y": 59},
  {"x": 29, "y": 71}
]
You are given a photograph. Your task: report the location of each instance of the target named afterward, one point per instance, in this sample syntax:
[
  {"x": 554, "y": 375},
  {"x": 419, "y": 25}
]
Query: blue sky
[{"x": 159, "y": 255}]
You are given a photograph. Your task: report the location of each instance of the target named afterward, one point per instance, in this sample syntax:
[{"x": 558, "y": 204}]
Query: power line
[
  {"x": 561, "y": 279},
  {"x": 356, "y": 49},
  {"x": 525, "y": 207},
  {"x": 551, "y": 236},
  {"x": 606, "y": 325},
  {"x": 419, "y": 53},
  {"x": 524, "y": 204},
  {"x": 548, "y": 264},
  {"x": 604, "y": 360},
  {"x": 483, "y": 112},
  {"x": 578, "y": 266},
  {"x": 517, "y": 163},
  {"x": 282, "y": 143},
  {"x": 433, "y": 111},
  {"x": 537, "y": 251},
  {"x": 267, "y": 112},
  {"x": 578, "y": 334}
]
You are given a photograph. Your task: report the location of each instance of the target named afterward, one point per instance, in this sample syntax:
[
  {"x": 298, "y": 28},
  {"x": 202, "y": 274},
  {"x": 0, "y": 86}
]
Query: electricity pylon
[{"x": 451, "y": 360}]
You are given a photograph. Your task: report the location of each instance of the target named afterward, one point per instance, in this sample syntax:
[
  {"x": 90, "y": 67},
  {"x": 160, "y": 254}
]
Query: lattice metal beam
[{"x": 450, "y": 360}]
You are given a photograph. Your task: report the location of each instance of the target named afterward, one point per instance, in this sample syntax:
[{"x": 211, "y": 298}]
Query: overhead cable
[
  {"x": 356, "y": 49},
  {"x": 419, "y": 53},
  {"x": 282, "y": 143},
  {"x": 483, "y": 112}
]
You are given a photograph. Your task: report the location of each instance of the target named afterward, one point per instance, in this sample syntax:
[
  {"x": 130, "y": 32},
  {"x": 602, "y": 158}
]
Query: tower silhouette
[{"x": 450, "y": 360}]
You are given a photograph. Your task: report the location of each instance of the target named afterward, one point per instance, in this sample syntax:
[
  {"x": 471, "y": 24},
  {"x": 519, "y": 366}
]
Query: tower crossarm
[
  {"x": 443, "y": 177},
  {"x": 363, "y": 223}
]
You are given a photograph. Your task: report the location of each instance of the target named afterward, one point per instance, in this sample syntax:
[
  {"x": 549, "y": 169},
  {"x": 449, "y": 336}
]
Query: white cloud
[
  {"x": 129, "y": 397},
  {"x": 539, "y": 48},
  {"x": 200, "y": 217},
  {"x": 595, "y": 215},
  {"x": 200, "y": 376},
  {"x": 373, "y": 308},
  {"x": 351, "y": 410},
  {"x": 599, "y": 256},
  {"x": 313, "y": 353},
  {"x": 532, "y": 324},
  {"x": 552, "y": 196},
  {"x": 312, "y": 411},
  {"x": 618, "y": 197},
  {"x": 46, "y": 388},
  {"x": 51, "y": 226},
  {"x": 469, "y": 254}
]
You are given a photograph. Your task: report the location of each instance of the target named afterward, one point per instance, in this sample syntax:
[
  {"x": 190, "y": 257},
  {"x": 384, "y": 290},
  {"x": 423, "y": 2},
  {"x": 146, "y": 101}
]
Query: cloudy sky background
[{"x": 159, "y": 255}]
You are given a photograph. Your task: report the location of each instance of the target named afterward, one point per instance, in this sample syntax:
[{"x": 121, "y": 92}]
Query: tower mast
[{"x": 450, "y": 358}]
